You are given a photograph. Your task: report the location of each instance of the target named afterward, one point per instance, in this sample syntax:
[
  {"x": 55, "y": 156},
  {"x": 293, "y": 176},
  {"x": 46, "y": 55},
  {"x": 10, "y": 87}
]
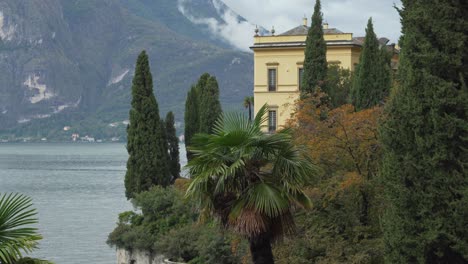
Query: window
[
  {"x": 272, "y": 121},
  {"x": 300, "y": 77},
  {"x": 271, "y": 80}
]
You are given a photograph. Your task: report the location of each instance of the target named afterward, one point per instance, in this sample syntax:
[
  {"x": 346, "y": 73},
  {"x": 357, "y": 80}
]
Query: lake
[{"x": 78, "y": 190}]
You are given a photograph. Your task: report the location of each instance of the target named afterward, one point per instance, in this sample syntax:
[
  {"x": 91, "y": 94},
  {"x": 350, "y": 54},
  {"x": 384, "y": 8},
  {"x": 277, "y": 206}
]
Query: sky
[{"x": 349, "y": 16}]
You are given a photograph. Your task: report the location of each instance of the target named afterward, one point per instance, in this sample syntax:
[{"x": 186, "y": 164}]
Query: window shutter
[
  {"x": 271, "y": 80},
  {"x": 272, "y": 121}
]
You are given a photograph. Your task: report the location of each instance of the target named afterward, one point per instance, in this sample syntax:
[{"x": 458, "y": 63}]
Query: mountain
[{"x": 70, "y": 62}]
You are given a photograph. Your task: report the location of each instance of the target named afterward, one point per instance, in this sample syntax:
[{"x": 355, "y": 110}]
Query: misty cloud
[
  {"x": 346, "y": 15},
  {"x": 237, "y": 33}
]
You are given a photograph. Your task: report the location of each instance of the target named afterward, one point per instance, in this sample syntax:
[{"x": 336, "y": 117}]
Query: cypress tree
[
  {"x": 210, "y": 107},
  {"x": 173, "y": 146},
  {"x": 147, "y": 162},
  {"x": 201, "y": 83},
  {"x": 191, "y": 118},
  {"x": 372, "y": 76},
  {"x": 202, "y": 108},
  {"x": 315, "y": 62},
  {"x": 425, "y": 138}
]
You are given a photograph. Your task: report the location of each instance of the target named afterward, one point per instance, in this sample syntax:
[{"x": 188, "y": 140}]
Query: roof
[
  {"x": 303, "y": 30},
  {"x": 382, "y": 41},
  {"x": 302, "y": 44}
]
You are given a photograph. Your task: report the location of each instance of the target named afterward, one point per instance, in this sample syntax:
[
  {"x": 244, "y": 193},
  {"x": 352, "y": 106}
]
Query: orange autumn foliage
[{"x": 340, "y": 140}]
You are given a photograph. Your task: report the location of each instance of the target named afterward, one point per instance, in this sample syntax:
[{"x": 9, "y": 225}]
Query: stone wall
[
  {"x": 138, "y": 257},
  {"x": 141, "y": 257}
]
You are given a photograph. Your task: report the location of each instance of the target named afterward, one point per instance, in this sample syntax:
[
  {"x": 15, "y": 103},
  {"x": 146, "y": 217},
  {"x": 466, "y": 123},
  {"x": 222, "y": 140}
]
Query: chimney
[
  {"x": 325, "y": 25},
  {"x": 304, "y": 21}
]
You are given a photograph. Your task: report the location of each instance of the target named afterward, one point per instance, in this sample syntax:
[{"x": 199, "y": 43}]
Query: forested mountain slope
[{"x": 70, "y": 62}]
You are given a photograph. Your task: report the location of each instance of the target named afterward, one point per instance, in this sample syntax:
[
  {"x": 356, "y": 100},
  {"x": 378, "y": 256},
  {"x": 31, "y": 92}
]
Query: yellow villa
[{"x": 278, "y": 65}]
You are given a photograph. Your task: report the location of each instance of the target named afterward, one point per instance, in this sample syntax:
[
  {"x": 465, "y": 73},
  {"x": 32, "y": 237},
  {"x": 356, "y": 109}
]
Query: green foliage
[
  {"x": 191, "y": 117},
  {"x": 162, "y": 209},
  {"x": 210, "y": 107},
  {"x": 164, "y": 224},
  {"x": 338, "y": 86},
  {"x": 315, "y": 62},
  {"x": 206, "y": 246},
  {"x": 425, "y": 137},
  {"x": 16, "y": 234},
  {"x": 202, "y": 108},
  {"x": 172, "y": 146},
  {"x": 147, "y": 164},
  {"x": 249, "y": 180},
  {"x": 372, "y": 79}
]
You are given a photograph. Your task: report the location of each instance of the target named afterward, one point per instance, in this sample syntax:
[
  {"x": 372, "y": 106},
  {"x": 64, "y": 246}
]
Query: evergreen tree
[
  {"x": 201, "y": 83},
  {"x": 339, "y": 83},
  {"x": 147, "y": 162},
  {"x": 202, "y": 108},
  {"x": 315, "y": 62},
  {"x": 191, "y": 118},
  {"x": 372, "y": 76},
  {"x": 425, "y": 138},
  {"x": 210, "y": 107},
  {"x": 173, "y": 146}
]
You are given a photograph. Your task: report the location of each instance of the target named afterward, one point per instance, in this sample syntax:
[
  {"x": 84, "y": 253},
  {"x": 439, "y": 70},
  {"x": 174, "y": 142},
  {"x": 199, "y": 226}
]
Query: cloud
[
  {"x": 237, "y": 33},
  {"x": 346, "y": 15}
]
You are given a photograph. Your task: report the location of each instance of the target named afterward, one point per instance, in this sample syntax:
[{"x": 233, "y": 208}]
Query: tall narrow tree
[
  {"x": 372, "y": 76},
  {"x": 202, "y": 108},
  {"x": 191, "y": 118},
  {"x": 147, "y": 149},
  {"x": 315, "y": 62},
  {"x": 173, "y": 146},
  {"x": 210, "y": 107},
  {"x": 425, "y": 138},
  {"x": 248, "y": 103}
]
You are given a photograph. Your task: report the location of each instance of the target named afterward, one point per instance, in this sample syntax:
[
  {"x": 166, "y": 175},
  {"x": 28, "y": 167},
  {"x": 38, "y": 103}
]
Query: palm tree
[
  {"x": 16, "y": 235},
  {"x": 249, "y": 180},
  {"x": 248, "y": 103}
]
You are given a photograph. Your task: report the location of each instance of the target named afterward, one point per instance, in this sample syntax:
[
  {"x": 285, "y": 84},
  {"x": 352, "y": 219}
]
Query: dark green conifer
[
  {"x": 191, "y": 118},
  {"x": 173, "y": 146},
  {"x": 315, "y": 62},
  {"x": 147, "y": 162},
  {"x": 425, "y": 138},
  {"x": 372, "y": 76},
  {"x": 202, "y": 108},
  {"x": 210, "y": 107},
  {"x": 202, "y": 81}
]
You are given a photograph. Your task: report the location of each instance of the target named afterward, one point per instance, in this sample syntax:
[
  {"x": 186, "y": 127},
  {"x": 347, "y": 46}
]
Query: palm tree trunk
[
  {"x": 260, "y": 248},
  {"x": 250, "y": 112}
]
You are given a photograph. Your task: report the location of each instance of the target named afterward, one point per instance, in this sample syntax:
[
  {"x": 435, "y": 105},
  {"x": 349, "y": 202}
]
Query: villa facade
[{"x": 278, "y": 67}]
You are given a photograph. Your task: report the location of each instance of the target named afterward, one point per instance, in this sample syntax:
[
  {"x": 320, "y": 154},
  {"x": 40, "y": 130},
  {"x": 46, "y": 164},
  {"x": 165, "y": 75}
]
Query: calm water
[{"x": 78, "y": 191}]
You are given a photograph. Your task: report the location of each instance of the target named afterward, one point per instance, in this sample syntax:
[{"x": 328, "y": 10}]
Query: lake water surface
[{"x": 78, "y": 190}]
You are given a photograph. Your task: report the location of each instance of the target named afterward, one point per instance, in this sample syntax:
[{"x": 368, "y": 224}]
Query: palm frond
[
  {"x": 261, "y": 117},
  {"x": 267, "y": 199},
  {"x": 249, "y": 179},
  {"x": 15, "y": 213}
]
